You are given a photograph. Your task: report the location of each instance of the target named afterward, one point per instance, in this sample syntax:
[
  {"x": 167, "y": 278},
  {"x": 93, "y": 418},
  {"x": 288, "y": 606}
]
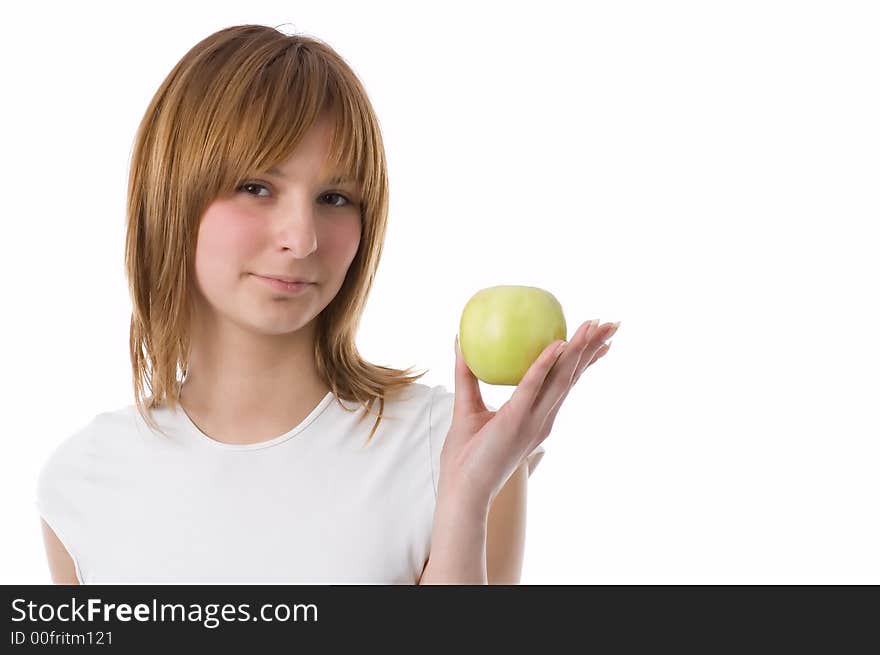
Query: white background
[{"x": 704, "y": 172}]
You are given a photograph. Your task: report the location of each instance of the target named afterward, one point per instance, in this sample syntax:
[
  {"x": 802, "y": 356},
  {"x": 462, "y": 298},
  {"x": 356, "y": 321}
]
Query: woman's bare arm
[{"x": 60, "y": 562}]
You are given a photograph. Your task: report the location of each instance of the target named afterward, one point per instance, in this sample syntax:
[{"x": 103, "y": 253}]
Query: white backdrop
[{"x": 704, "y": 172}]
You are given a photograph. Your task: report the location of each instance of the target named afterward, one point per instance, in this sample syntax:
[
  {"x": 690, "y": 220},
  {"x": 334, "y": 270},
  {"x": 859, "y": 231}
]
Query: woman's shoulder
[
  {"x": 79, "y": 446},
  {"x": 433, "y": 402},
  {"x": 410, "y": 401}
]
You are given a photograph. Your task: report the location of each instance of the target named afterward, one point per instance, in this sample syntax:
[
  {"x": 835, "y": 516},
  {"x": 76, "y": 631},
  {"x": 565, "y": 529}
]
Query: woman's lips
[{"x": 291, "y": 288}]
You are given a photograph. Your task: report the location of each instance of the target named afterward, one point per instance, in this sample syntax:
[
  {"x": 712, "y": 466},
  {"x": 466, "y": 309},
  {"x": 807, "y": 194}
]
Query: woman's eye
[
  {"x": 338, "y": 195},
  {"x": 251, "y": 184},
  {"x": 245, "y": 186}
]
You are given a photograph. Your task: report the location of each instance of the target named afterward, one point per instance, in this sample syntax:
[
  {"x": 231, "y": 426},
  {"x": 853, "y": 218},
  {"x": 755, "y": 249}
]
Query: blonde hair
[{"x": 241, "y": 100}]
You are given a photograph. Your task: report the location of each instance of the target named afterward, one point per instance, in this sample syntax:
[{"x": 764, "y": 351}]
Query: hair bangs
[{"x": 280, "y": 101}]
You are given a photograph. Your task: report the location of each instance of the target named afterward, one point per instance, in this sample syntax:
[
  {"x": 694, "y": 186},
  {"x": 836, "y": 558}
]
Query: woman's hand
[{"x": 483, "y": 448}]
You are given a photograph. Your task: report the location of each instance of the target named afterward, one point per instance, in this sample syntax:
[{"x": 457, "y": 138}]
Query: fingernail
[
  {"x": 560, "y": 348},
  {"x": 612, "y": 330}
]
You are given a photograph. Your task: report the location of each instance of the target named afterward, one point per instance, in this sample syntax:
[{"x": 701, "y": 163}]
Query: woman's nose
[{"x": 298, "y": 232}]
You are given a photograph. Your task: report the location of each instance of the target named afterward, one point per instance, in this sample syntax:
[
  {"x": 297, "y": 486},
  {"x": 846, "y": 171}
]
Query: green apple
[{"x": 503, "y": 329}]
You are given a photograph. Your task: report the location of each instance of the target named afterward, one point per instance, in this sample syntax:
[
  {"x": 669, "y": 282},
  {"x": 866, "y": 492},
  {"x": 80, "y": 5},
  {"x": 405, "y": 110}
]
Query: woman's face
[{"x": 292, "y": 224}]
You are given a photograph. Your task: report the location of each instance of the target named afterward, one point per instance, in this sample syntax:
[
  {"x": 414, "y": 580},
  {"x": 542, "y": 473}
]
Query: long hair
[{"x": 241, "y": 100}]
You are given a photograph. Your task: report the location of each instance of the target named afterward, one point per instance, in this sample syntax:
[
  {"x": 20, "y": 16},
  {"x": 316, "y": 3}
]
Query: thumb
[{"x": 468, "y": 399}]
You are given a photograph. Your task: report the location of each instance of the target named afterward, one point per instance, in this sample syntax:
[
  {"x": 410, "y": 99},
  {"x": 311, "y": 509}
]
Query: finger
[
  {"x": 547, "y": 425},
  {"x": 523, "y": 398},
  {"x": 604, "y": 348},
  {"x": 566, "y": 365},
  {"x": 586, "y": 341},
  {"x": 467, "y": 397},
  {"x": 593, "y": 349},
  {"x": 550, "y": 412},
  {"x": 592, "y": 340},
  {"x": 598, "y": 355}
]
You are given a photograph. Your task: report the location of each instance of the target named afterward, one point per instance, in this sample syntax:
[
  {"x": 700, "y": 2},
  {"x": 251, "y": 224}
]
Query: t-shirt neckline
[{"x": 194, "y": 431}]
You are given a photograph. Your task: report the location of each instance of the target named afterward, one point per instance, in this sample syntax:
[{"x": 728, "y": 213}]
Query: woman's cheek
[
  {"x": 228, "y": 238},
  {"x": 237, "y": 232}
]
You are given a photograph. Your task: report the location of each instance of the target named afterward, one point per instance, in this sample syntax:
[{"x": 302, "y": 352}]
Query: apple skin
[{"x": 504, "y": 328}]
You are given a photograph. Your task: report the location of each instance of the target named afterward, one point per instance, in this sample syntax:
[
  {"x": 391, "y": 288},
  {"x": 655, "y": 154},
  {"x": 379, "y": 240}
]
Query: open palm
[{"x": 483, "y": 448}]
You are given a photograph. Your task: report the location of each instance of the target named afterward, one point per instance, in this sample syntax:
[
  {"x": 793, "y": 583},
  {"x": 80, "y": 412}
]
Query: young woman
[{"x": 257, "y": 209}]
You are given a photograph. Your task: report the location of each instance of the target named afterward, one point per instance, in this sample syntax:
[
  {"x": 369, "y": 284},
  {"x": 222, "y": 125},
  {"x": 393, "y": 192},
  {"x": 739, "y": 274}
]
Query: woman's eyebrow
[{"x": 339, "y": 179}]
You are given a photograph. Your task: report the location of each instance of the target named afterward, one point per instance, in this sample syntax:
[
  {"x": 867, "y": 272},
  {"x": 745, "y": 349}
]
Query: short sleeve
[
  {"x": 54, "y": 499},
  {"x": 440, "y": 419}
]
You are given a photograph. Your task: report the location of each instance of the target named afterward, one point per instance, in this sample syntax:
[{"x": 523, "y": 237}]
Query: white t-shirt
[{"x": 311, "y": 506}]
